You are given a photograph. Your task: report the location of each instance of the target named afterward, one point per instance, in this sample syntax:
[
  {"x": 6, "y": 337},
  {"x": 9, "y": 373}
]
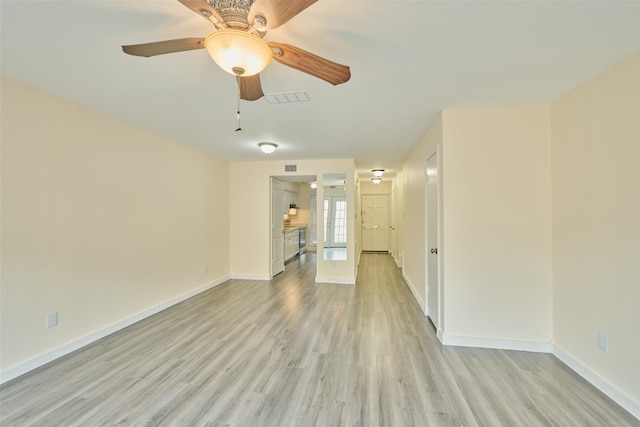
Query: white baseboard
[
  {"x": 43, "y": 359},
  {"x": 413, "y": 291},
  {"x": 499, "y": 344},
  {"x": 250, "y": 277},
  {"x": 337, "y": 280},
  {"x": 597, "y": 381}
]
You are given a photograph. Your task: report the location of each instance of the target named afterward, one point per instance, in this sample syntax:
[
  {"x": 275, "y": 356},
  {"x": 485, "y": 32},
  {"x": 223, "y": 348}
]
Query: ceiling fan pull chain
[{"x": 238, "y": 113}]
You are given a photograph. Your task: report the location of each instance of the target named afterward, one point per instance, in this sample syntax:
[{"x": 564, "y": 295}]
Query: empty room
[{"x": 319, "y": 213}]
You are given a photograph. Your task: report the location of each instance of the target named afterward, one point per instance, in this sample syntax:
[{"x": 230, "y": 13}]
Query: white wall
[
  {"x": 497, "y": 224},
  {"x": 249, "y": 204},
  {"x": 101, "y": 221},
  {"x": 596, "y": 227}
]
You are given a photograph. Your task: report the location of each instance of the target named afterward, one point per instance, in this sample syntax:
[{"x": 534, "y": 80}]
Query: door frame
[
  {"x": 438, "y": 285},
  {"x": 272, "y": 181}
]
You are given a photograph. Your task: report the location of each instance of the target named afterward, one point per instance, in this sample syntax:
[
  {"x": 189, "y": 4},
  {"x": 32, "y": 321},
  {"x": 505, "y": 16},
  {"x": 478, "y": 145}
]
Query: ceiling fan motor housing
[{"x": 234, "y": 13}]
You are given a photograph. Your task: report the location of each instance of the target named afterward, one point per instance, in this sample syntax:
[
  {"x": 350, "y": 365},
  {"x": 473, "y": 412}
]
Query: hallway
[{"x": 290, "y": 352}]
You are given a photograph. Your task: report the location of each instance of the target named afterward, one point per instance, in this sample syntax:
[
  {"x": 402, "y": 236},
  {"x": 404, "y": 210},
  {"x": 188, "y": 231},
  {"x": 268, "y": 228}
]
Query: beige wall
[
  {"x": 250, "y": 201},
  {"x": 596, "y": 225},
  {"x": 101, "y": 221},
  {"x": 541, "y": 237},
  {"x": 497, "y": 224},
  {"x": 370, "y": 188}
]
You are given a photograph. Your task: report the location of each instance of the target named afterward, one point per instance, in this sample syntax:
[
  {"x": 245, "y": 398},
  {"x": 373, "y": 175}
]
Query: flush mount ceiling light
[
  {"x": 268, "y": 147},
  {"x": 313, "y": 185},
  {"x": 238, "y": 52},
  {"x": 377, "y": 172},
  {"x": 376, "y": 180}
]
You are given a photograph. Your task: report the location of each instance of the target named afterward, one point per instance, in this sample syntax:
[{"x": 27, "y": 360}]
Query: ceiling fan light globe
[{"x": 235, "y": 50}]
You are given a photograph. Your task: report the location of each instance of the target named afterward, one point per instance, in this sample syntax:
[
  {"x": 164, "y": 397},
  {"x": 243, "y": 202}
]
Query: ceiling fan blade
[
  {"x": 250, "y": 88},
  {"x": 309, "y": 63},
  {"x": 278, "y": 12},
  {"x": 167, "y": 46},
  {"x": 202, "y": 8}
]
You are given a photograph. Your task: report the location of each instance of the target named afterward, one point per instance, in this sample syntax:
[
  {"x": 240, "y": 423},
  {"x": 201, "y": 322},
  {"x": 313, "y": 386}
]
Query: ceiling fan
[{"x": 237, "y": 44}]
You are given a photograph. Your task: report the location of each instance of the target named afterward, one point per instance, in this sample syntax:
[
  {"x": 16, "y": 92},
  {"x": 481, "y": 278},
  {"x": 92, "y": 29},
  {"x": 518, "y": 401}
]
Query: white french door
[{"x": 334, "y": 221}]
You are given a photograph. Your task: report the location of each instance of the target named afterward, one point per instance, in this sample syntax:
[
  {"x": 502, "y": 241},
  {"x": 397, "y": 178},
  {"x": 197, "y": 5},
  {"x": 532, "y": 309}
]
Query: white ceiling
[{"x": 409, "y": 60}]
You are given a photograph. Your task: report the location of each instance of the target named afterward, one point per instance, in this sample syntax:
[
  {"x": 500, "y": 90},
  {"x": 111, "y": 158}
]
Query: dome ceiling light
[{"x": 267, "y": 147}]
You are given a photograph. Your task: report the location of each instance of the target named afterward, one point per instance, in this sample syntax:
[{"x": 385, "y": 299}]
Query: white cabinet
[
  {"x": 277, "y": 238},
  {"x": 289, "y": 199},
  {"x": 291, "y": 243}
]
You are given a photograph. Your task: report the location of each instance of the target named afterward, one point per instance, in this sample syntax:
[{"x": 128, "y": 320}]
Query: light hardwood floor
[{"x": 293, "y": 353}]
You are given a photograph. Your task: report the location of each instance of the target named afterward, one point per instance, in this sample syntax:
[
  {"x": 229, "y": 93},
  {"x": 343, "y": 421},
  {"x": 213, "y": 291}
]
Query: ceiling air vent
[
  {"x": 291, "y": 168},
  {"x": 287, "y": 97}
]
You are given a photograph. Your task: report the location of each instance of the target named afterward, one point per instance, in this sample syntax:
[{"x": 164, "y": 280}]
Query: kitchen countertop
[{"x": 294, "y": 227}]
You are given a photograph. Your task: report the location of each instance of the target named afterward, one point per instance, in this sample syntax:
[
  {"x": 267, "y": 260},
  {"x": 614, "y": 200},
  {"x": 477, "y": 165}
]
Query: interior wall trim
[
  {"x": 498, "y": 344},
  {"x": 413, "y": 292},
  {"x": 598, "y": 382},
  {"x": 250, "y": 277},
  {"x": 41, "y": 360},
  {"x": 336, "y": 280}
]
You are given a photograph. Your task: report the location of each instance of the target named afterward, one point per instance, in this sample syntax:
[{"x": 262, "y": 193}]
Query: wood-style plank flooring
[{"x": 290, "y": 352}]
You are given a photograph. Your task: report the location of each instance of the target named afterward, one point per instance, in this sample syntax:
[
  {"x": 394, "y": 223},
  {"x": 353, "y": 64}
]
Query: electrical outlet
[
  {"x": 51, "y": 320},
  {"x": 603, "y": 342}
]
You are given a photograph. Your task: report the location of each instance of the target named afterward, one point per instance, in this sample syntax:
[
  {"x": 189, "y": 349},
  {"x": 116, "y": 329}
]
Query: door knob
[{"x": 434, "y": 250}]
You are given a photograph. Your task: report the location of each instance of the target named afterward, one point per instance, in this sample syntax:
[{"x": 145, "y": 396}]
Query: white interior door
[
  {"x": 433, "y": 274},
  {"x": 375, "y": 222},
  {"x": 277, "y": 227}
]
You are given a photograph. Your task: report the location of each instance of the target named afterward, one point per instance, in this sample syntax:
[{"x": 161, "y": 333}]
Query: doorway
[{"x": 290, "y": 197}]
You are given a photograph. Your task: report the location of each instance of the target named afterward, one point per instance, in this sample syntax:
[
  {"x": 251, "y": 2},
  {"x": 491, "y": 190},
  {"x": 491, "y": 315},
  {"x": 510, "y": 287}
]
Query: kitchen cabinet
[
  {"x": 291, "y": 243},
  {"x": 277, "y": 228},
  {"x": 289, "y": 198}
]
